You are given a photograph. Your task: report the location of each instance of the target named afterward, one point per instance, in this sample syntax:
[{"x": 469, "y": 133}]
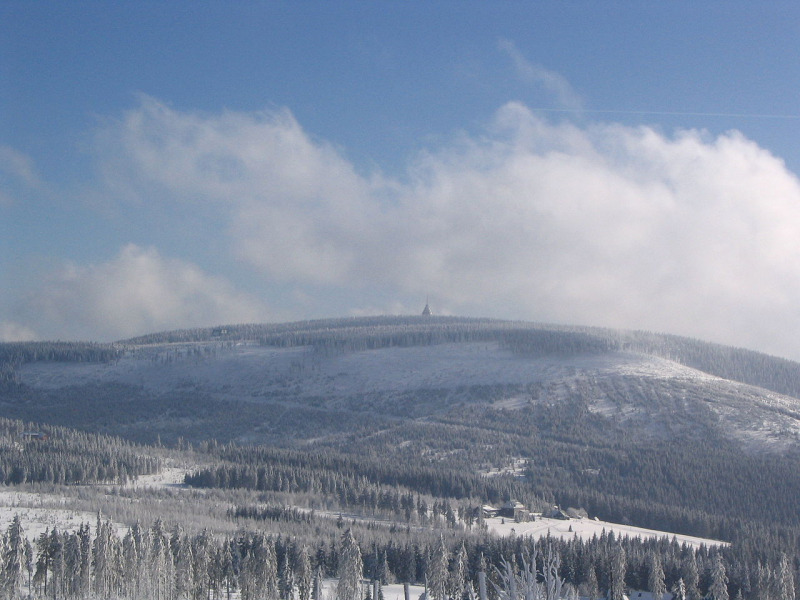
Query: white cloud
[
  {"x": 14, "y": 332},
  {"x": 534, "y": 74},
  {"x": 15, "y": 169},
  {"x": 137, "y": 292},
  {"x": 602, "y": 224}
]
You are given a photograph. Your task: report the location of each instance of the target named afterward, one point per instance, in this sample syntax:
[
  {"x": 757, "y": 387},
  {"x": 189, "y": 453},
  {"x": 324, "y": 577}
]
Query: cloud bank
[
  {"x": 136, "y": 292},
  {"x": 601, "y": 224}
]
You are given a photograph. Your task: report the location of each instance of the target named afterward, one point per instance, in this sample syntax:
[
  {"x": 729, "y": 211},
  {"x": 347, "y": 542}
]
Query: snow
[
  {"x": 169, "y": 477},
  {"x": 40, "y": 512},
  {"x": 585, "y": 529},
  {"x": 470, "y": 371},
  {"x": 252, "y": 370},
  {"x": 392, "y": 591}
]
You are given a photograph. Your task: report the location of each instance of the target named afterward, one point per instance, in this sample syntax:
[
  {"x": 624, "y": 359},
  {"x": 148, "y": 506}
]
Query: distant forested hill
[{"x": 365, "y": 333}]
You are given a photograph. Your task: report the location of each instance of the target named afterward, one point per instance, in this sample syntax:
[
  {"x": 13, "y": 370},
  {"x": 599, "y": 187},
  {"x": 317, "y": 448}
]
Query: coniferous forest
[{"x": 113, "y": 488}]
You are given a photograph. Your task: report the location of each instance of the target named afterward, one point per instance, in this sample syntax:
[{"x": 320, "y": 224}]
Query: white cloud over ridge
[
  {"x": 14, "y": 332},
  {"x": 137, "y": 292},
  {"x": 601, "y": 224}
]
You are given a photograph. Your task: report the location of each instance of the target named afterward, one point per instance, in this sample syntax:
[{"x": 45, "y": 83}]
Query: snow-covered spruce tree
[
  {"x": 437, "y": 574},
  {"x": 40, "y": 576},
  {"x": 305, "y": 577},
  {"x": 29, "y": 562},
  {"x": 269, "y": 570},
  {"x": 103, "y": 558},
  {"x": 286, "y": 579},
  {"x": 655, "y": 577},
  {"x": 591, "y": 586},
  {"x": 160, "y": 563},
  {"x": 72, "y": 565},
  {"x": 785, "y": 579},
  {"x": 351, "y": 568},
  {"x": 617, "y": 574},
  {"x": 184, "y": 580},
  {"x": 13, "y": 558},
  {"x": 247, "y": 574},
  {"x": 227, "y": 568},
  {"x": 85, "y": 568},
  {"x": 719, "y": 580},
  {"x": 384, "y": 572},
  {"x": 458, "y": 575},
  {"x": 679, "y": 590},
  {"x": 56, "y": 551},
  {"x": 201, "y": 564},
  {"x": 691, "y": 577},
  {"x": 258, "y": 573}
]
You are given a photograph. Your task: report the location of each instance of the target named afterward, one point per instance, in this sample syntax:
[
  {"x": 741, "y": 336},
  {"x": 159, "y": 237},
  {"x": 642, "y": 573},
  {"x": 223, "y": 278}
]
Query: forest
[{"x": 390, "y": 489}]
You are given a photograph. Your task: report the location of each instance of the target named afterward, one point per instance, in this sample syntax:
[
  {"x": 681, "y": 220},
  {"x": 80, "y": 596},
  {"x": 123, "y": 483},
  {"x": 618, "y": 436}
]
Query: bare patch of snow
[{"x": 585, "y": 529}]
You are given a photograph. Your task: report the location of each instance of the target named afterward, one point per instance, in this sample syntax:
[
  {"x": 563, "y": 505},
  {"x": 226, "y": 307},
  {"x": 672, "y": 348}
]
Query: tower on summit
[{"x": 426, "y": 312}]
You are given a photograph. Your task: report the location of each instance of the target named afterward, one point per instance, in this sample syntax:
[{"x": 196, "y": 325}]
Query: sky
[{"x": 618, "y": 164}]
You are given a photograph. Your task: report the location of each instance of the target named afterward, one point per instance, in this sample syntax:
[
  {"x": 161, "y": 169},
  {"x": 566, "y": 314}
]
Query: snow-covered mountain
[{"x": 318, "y": 380}]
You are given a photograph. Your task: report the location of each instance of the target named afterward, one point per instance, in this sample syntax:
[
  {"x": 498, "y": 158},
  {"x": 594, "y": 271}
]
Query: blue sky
[{"x": 626, "y": 164}]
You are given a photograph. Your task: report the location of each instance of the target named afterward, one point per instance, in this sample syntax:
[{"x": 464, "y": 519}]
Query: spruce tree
[
  {"x": 785, "y": 579},
  {"x": 458, "y": 576},
  {"x": 679, "y": 590},
  {"x": 655, "y": 578},
  {"x": 719, "y": 580},
  {"x": 305, "y": 577},
  {"x": 617, "y": 574},
  {"x": 351, "y": 569},
  {"x": 436, "y": 574},
  {"x": 691, "y": 577},
  {"x": 13, "y": 558},
  {"x": 592, "y": 587}
]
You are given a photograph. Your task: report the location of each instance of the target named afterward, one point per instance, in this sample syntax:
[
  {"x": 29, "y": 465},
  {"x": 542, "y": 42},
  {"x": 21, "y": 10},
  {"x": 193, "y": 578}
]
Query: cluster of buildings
[{"x": 518, "y": 512}]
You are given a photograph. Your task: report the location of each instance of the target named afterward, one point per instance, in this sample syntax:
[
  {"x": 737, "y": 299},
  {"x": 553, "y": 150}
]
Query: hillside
[
  {"x": 407, "y": 426},
  {"x": 325, "y": 380}
]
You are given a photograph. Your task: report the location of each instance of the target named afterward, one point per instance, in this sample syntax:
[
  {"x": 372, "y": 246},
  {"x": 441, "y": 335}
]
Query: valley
[{"x": 396, "y": 432}]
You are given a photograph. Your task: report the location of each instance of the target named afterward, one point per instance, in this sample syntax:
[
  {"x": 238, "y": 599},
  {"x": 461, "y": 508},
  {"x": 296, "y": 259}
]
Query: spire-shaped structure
[{"x": 426, "y": 312}]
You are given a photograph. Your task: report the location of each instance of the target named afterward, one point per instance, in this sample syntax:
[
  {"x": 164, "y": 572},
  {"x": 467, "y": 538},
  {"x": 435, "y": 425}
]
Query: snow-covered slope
[
  {"x": 651, "y": 394},
  {"x": 248, "y": 369}
]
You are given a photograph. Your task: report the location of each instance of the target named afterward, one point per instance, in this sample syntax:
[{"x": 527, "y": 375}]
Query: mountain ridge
[{"x": 315, "y": 377}]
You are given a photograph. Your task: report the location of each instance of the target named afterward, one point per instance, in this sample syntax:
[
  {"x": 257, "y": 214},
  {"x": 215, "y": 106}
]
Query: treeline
[
  {"x": 14, "y": 354},
  {"x": 331, "y": 336},
  {"x": 737, "y": 364},
  {"x": 271, "y": 513},
  {"x": 356, "y": 481},
  {"x": 44, "y": 454},
  {"x": 156, "y": 563}
]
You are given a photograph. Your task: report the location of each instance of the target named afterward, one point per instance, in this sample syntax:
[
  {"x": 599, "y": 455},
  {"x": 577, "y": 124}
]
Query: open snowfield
[
  {"x": 393, "y": 591},
  {"x": 40, "y": 512},
  {"x": 170, "y": 477},
  {"x": 586, "y": 529},
  {"x": 249, "y": 369}
]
